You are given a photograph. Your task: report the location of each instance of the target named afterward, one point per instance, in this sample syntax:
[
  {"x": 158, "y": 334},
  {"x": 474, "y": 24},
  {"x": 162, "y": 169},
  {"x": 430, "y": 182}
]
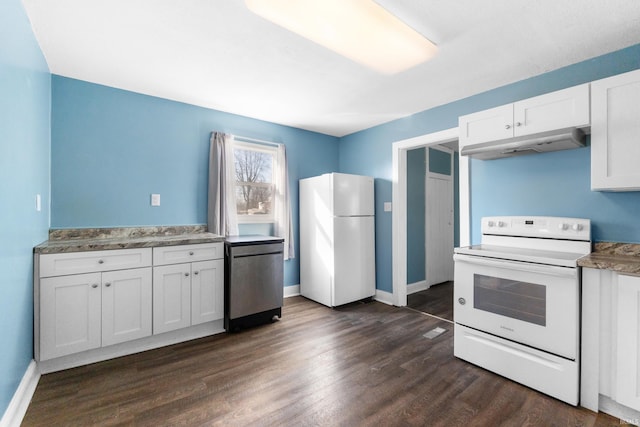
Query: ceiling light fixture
[{"x": 360, "y": 30}]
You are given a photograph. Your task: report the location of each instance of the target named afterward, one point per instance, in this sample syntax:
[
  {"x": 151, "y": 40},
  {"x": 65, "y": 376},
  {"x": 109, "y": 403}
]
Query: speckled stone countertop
[
  {"x": 97, "y": 239},
  {"x": 620, "y": 257}
]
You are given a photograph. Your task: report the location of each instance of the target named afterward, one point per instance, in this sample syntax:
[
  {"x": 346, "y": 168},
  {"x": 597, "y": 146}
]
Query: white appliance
[
  {"x": 517, "y": 301},
  {"x": 337, "y": 238}
]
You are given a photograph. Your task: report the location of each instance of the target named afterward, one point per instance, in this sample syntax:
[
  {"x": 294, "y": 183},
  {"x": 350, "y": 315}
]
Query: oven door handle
[{"x": 551, "y": 270}]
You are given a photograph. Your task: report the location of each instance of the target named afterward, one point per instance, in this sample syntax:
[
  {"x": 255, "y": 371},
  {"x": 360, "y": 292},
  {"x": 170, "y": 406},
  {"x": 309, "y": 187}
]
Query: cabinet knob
[
  {"x": 95, "y": 285},
  {"x": 518, "y": 124},
  {"x": 195, "y": 273},
  {"x": 507, "y": 126},
  {"x": 186, "y": 274},
  {"x": 107, "y": 284},
  {"x": 100, "y": 261},
  {"x": 190, "y": 252}
]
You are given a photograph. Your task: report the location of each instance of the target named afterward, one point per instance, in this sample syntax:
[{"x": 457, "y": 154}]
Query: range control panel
[{"x": 538, "y": 226}]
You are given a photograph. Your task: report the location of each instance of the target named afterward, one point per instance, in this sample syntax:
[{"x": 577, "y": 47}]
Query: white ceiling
[{"x": 217, "y": 54}]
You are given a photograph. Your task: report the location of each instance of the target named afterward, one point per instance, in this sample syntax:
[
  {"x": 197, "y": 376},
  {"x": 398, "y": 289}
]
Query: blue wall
[
  {"x": 112, "y": 148},
  {"x": 552, "y": 183},
  {"x": 416, "y": 175},
  {"x": 25, "y": 87}
]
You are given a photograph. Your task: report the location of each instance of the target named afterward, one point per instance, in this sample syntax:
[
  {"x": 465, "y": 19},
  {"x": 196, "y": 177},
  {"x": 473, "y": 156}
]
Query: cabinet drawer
[
  {"x": 186, "y": 253},
  {"x": 85, "y": 262}
]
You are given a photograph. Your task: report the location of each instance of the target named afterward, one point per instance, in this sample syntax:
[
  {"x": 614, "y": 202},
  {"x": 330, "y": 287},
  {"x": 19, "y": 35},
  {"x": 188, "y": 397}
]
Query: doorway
[
  {"x": 431, "y": 175},
  {"x": 399, "y": 198}
]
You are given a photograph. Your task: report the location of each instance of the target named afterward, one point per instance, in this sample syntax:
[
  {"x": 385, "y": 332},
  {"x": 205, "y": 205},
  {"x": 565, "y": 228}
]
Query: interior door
[{"x": 439, "y": 216}]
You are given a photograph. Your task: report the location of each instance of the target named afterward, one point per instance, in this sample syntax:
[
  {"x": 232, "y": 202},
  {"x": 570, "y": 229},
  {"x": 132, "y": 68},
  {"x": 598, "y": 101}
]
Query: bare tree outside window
[{"x": 254, "y": 181}]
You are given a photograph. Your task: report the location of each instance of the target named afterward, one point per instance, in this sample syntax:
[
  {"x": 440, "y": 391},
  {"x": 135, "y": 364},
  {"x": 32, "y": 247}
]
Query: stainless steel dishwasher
[{"x": 253, "y": 281}]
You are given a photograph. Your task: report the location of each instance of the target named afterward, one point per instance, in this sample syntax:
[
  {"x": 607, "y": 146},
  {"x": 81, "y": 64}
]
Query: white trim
[
  {"x": 131, "y": 347},
  {"x": 291, "y": 291},
  {"x": 19, "y": 404},
  {"x": 412, "y": 288},
  {"x": 383, "y": 297},
  {"x": 399, "y": 203}
]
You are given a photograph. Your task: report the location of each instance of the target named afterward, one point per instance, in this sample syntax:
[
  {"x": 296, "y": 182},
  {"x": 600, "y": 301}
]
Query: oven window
[{"x": 518, "y": 300}]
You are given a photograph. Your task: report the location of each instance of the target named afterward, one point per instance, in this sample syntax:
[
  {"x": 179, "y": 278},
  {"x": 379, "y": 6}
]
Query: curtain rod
[{"x": 259, "y": 141}]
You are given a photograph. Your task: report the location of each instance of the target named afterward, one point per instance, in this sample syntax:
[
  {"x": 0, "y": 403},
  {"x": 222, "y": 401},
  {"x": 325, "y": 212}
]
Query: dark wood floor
[
  {"x": 361, "y": 364},
  {"x": 437, "y": 300}
]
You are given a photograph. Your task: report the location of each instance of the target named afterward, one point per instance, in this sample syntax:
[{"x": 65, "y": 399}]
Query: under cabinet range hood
[{"x": 555, "y": 140}]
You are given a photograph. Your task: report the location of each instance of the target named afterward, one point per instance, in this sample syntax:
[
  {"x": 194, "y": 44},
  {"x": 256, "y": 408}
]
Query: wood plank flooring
[
  {"x": 437, "y": 300},
  {"x": 364, "y": 364}
]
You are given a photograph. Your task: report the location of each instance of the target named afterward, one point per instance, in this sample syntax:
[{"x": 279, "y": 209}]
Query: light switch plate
[
  {"x": 155, "y": 200},
  {"x": 387, "y": 206}
]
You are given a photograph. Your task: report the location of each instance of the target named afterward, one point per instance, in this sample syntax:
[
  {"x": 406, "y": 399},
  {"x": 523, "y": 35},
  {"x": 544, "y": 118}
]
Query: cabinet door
[
  {"x": 126, "y": 305},
  {"x": 615, "y": 132},
  {"x": 171, "y": 297},
  {"x": 486, "y": 125},
  {"x": 69, "y": 314},
  {"x": 628, "y": 353},
  {"x": 207, "y": 291},
  {"x": 556, "y": 110}
]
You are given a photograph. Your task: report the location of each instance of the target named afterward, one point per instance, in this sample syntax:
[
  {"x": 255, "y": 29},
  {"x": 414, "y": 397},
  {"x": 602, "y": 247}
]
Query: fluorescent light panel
[{"x": 360, "y": 30}]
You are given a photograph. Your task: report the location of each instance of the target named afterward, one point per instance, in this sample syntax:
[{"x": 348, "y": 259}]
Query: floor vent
[{"x": 434, "y": 333}]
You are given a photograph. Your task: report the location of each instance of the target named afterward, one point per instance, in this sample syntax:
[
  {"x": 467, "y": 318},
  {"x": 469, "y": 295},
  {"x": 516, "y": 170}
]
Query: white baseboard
[
  {"x": 131, "y": 347},
  {"x": 611, "y": 407},
  {"x": 384, "y": 297},
  {"x": 19, "y": 404},
  {"x": 291, "y": 291},
  {"x": 412, "y": 288}
]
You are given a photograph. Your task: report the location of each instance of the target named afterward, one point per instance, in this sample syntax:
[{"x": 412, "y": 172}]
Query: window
[{"x": 255, "y": 182}]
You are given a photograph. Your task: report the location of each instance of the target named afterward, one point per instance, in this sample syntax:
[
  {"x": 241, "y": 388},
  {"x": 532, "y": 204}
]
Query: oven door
[{"x": 532, "y": 304}]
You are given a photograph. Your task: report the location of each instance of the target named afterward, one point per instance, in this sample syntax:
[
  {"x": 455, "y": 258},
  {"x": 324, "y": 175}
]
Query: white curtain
[
  {"x": 282, "y": 211},
  {"x": 222, "y": 218}
]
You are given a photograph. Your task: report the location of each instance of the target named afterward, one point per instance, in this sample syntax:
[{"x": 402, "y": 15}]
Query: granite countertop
[
  {"x": 619, "y": 257},
  {"x": 97, "y": 239}
]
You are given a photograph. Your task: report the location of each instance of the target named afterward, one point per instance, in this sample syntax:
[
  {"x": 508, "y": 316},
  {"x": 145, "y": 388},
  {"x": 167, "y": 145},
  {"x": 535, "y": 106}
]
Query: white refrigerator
[{"x": 337, "y": 238}]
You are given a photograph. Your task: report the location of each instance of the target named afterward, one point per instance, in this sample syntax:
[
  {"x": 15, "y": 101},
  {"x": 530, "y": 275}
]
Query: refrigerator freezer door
[
  {"x": 354, "y": 259},
  {"x": 352, "y": 195}
]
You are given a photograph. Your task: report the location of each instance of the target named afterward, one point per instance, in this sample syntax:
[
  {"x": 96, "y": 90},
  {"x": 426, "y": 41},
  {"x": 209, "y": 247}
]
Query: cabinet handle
[
  {"x": 518, "y": 124},
  {"x": 195, "y": 273},
  {"x": 507, "y": 126},
  {"x": 186, "y": 274},
  {"x": 95, "y": 285},
  {"x": 190, "y": 252},
  {"x": 100, "y": 261},
  {"x": 107, "y": 284}
]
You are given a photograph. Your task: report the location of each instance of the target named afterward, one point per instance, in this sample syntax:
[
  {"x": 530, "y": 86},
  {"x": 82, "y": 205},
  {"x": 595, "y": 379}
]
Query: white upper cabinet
[
  {"x": 615, "y": 133},
  {"x": 487, "y": 125},
  {"x": 567, "y": 108}
]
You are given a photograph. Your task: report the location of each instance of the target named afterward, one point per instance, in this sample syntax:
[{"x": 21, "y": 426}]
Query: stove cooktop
[{"x": 537, "y": 256}]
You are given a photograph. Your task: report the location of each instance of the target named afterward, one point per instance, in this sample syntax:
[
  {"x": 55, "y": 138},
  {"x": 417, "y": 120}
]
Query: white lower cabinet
[
  {"x": 70, "y": 314},
  {"x": 207, "y": 291},
  {"x": 171, "y": 297},
  {"x": 628, "y": 341},
  {"x": 187, "y": 294},
  {"x": 126, "y": 305},
  {"x": 95, "y": 305},
  {"x": 610, "y": 371},
  {"x": 86, "y": 311}
]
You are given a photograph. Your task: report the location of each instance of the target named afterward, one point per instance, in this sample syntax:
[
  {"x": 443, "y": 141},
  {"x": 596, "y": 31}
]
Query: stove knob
[
  {"x": 462, "y": 301},
  {"x": 563, "y": 226},
  {"x": 500, "y": 224},
  {"x": 577, "y": 227},
  {"x": 491, "y": 223}
]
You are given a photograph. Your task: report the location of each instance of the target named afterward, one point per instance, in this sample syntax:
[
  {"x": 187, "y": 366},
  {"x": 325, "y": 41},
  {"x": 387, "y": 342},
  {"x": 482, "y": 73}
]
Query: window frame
[{"x": 261, "y": 148}]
